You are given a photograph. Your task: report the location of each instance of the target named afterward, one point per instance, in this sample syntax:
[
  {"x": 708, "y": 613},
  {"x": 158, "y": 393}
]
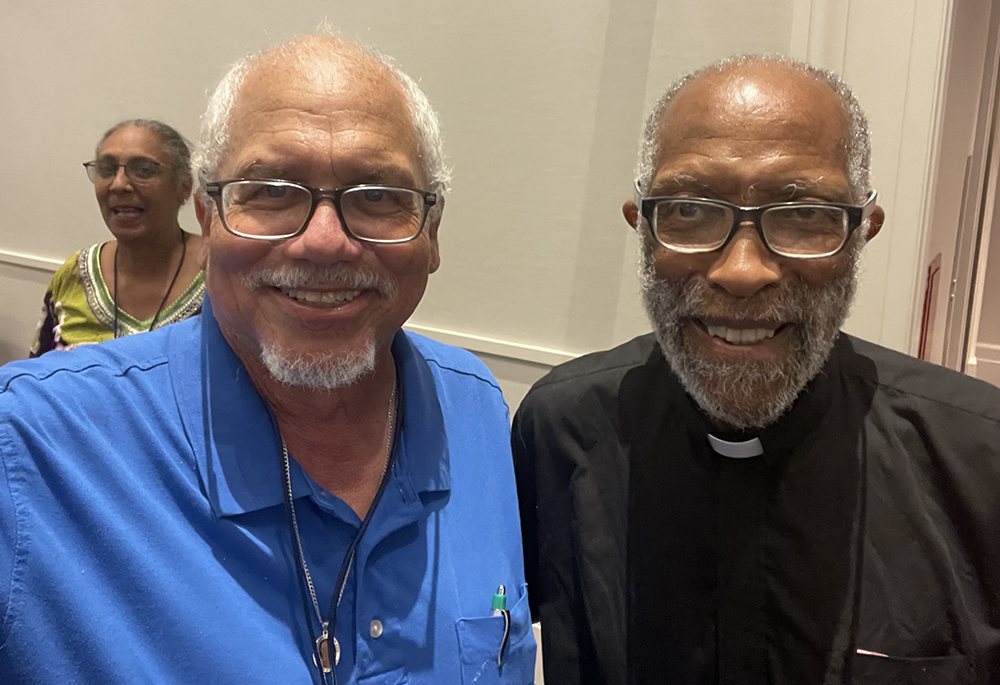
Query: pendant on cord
[{"x": 323, "y": 649}]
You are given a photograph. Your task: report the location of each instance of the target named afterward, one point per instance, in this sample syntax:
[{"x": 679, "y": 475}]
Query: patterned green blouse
[{"x": 79, "y": 310}]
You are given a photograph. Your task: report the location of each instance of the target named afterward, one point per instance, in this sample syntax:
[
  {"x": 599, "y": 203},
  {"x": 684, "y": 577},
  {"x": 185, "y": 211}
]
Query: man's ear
[
  {"x": 631, "y": 213},
  {"x": 432, "y": 236},
  {"x": 204, "y": 213},
  {"x": 875, "y": 222}
]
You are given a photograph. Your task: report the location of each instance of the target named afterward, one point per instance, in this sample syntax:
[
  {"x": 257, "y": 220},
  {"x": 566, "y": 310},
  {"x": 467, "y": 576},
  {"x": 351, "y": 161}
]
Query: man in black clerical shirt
[{"x": 747, "y": 495}]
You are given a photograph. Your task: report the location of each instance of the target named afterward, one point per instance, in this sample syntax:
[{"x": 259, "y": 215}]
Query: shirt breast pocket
[
  {"x": 941, "y": 670},
  {"x": 479, "y": 642}
]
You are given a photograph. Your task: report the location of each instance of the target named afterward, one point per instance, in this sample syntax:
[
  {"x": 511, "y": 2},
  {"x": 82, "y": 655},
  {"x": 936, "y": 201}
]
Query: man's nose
[
  {"x": 745, "y": 266},
  {"x": 325, "y": 239}
]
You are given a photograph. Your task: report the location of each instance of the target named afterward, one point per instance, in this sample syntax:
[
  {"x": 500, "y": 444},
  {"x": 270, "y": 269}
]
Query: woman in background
[{"x": 150, "y": 274}]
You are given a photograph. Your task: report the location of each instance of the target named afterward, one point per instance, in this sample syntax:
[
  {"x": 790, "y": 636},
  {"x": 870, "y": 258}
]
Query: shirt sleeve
[
  {"x": 549, "y": 570},
  {"x": 8, "y": 530},
  {"x": 47, "y": 333},
  {"x": 524, "y": 473}
]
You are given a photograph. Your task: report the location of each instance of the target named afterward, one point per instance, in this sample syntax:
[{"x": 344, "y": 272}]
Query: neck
[
  {"x": 147, "y": 256},
  {"x": 338, "y": 436}
]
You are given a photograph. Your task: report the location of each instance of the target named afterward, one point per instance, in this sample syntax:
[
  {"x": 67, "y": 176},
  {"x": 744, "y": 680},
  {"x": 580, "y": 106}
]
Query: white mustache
[
  {"x": 788, "y": 304},
  {"x": 337, "y": 276}
]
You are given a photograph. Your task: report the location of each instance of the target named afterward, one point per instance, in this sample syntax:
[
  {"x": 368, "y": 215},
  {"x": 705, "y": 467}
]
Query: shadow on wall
[
  {"x": 10, "y": 352},
  {"x": 515, "y": 376},
  {"x": 23, "y": 289}
]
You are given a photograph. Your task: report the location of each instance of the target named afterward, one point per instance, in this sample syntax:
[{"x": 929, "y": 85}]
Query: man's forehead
[
  {"x": 755, "y": 111},
  {"x": 317, "y": 91},
  {"x": 316, "y": 79},
  {"x": 754, "y": 103}
]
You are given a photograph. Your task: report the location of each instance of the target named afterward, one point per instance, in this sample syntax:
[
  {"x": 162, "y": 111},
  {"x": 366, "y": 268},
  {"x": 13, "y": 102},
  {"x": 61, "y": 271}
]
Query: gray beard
[
  {"x": 324, "y": 371},
  {"x": 744, "y": 395},
  {"x": 318, "y": 372}
]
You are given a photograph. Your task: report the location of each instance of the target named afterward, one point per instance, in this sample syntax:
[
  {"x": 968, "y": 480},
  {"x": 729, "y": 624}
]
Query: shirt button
[{"x": 375, "y": 629}]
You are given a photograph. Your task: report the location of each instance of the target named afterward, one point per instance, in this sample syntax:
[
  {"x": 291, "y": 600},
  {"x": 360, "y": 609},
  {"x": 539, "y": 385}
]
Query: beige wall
[{"x": 541, "y": 103}]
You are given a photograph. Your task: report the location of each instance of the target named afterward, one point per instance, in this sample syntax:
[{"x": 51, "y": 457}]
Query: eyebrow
[
  {"x": 384, "y": 175},
  {"x": 680, "y": 182},
  {"x": 107, "y": 155},
  {"x": 798, "y": 186},
  {"x": 788, "y": 189},
  {"x": 258, "y": 170}
]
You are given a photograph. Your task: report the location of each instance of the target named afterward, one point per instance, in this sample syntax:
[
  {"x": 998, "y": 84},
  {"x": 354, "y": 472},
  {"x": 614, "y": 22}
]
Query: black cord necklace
[
  {"x": 325, "y": 662},
  {"x": 170, "y": 287}
]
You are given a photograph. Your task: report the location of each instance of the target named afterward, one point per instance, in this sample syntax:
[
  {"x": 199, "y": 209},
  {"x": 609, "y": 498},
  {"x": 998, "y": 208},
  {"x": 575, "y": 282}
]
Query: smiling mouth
[
  {"x": 742, "y": 336},
  {"x": 321, "y": 298},
  {"x": 127, "y": 211}
]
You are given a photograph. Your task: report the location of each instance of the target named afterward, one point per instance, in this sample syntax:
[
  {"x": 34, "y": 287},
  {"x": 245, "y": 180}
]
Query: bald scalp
[
  {"x": 328, "y": 60},
  {"x": 760, "y": 101},
  {"x": 302, "y": 73},
  {"x": 759, "y": 85},
  {"x": 319, "y": 63},
  {"x": 763, "y": 90}
]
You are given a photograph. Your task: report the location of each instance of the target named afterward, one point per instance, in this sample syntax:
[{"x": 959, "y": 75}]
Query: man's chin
[
  {"x": 738, "y": 395},
  {"x": 318, "y": 371},
  {"x": 738, "y": 388},
  {"x": 745, "y": 394}
]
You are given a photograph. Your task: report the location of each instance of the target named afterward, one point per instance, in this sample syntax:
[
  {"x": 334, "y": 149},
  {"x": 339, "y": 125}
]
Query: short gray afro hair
[
  {"x": 858, "y": 144},
  {"x": 215, "y": 122}
]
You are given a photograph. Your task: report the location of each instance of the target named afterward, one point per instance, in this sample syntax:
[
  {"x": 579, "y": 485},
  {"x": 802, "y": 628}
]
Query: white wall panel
[
  {"x": 891, "y": 53},
  {"x": 542, "y": 105},
  {"x": 970, "y": 24}
]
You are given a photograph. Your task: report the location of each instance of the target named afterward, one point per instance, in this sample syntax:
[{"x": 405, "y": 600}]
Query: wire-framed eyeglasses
[
  {"x": 799, "y": 230},
  {"x": 138, "y": 169},
  {"x": 274, "y": 209}
]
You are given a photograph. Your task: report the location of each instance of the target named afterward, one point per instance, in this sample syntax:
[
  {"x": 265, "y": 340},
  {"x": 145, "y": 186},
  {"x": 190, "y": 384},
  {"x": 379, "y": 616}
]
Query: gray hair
[
  {"x": 178, "y": 147},
  {"x": 215, "y": 123},
  {"x": 858, "y": 144}
]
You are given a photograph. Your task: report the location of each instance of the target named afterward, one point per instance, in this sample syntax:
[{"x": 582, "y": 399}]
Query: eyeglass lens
[
  {"x": 795, "y": 230},
  {"x": 272, "y": 209},
  {"x": 137, "y": 168}
]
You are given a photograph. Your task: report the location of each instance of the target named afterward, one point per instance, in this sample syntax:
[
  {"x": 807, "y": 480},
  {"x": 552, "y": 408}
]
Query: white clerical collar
[{"x": 736, "y": 450}]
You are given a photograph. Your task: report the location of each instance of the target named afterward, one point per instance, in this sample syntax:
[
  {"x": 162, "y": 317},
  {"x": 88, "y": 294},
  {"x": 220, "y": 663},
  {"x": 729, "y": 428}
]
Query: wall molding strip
[
  {"x": 29, "y": 261},
  {"x": 501, "y": 348},
  {"x": 988, "y": 352},
  {"x": 475, "y": 343}
]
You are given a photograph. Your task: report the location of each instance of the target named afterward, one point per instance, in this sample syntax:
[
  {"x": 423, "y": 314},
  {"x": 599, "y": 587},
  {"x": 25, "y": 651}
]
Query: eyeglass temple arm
[{"x": 868, "y": 207}]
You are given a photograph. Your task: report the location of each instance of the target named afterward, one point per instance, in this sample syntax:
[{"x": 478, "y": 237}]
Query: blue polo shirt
[{"x": 143, "y": 536}]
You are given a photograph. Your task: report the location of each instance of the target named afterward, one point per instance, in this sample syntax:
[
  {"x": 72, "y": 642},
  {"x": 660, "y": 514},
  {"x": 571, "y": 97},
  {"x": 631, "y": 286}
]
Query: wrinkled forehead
[
  {"x": 757, "y": 107},
  {"x": 316, "y": 93}
]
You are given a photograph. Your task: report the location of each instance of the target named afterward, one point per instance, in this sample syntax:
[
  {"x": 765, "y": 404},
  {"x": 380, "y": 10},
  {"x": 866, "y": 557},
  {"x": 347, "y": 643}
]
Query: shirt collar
[
  {"x": 236, "y": 448},
  {"x": 739, "y": 449}
]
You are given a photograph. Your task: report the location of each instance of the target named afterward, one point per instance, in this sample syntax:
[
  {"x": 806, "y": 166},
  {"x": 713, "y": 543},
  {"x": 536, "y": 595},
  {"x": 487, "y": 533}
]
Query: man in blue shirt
[{"x": 287, "y": 488}]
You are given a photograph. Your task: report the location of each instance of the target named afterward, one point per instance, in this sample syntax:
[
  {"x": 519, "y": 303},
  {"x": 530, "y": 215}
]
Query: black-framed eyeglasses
[
  {"x": 273, "y": 209},
  {"x": 800, "y": 230},
  {"x": 138, "y": 169}
]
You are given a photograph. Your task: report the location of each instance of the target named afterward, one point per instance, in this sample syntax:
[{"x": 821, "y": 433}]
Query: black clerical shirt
[{"x": 862, "y": 546}]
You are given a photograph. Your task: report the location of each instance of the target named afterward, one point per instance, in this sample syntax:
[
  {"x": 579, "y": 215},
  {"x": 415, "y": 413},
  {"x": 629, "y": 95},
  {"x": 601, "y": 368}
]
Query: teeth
[
  {"x": 329, "y": 298},
  {"x": 741, "y": 336}
]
